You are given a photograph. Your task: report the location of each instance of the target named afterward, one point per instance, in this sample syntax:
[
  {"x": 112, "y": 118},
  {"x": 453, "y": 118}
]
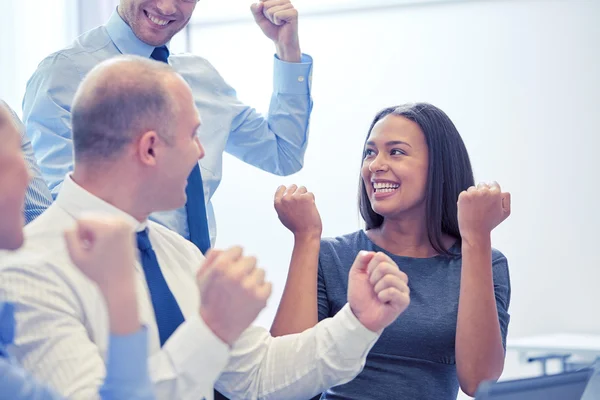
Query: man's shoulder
[
  {"x": 191, "y": 65},
  {"x": 81, "y": 55},
  {"x": 44, "y": 240}
]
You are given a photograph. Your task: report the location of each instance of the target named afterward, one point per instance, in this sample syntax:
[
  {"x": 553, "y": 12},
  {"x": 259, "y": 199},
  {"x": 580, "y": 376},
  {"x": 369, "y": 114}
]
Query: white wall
[
  {"x": 520, "y": 80},
  {"x": 30, "y": 30}
]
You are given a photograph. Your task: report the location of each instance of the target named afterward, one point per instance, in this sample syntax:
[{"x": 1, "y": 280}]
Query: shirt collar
[
  {"x": 76, "y": 201},
  {"x": 124, "y": 38}
]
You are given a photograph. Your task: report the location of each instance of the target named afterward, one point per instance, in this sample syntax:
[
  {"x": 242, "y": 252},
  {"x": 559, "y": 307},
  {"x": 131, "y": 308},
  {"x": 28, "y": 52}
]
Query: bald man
[
  {"x": 134, "y": 136},
  {"x": 103, "y": 250}
]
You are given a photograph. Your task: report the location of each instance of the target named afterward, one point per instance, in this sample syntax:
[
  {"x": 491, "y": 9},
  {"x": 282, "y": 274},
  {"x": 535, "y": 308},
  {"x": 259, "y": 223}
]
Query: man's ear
[{"x": 147, "y": 148}]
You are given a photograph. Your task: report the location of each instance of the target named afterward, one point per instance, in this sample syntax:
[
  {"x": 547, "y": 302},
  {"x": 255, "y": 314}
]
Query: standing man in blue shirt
[
  {"x": 275, "y": 143},
  {"x": 103, "y": 249}
]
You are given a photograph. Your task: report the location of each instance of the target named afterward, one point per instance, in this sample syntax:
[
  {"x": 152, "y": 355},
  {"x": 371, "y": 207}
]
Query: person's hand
[
  {"x": 278, "y": 19},
  {"x": 480, "y": 210},
  {"x": 378, "y": 291},
  {"x": 233, "y": 292},
  {"x": 103, "y": 248},
  {"x": 297, "y": 211}
]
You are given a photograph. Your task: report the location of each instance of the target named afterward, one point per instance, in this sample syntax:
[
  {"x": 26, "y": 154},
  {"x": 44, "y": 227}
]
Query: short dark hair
[
  {"x": 113, "y": 107},
  {"x": 449, "y": 171}
]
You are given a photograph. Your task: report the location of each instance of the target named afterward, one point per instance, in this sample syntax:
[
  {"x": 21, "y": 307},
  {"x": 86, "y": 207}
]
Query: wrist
[
  {"x": 476, "y": 240},
  {"x": 288, "y": 53},
  {"x": 213, "y": 325},
  {"x": 307, "y": 236},
  {"x": 121, "y": 303},
  {"x": 367, "y": 324}
]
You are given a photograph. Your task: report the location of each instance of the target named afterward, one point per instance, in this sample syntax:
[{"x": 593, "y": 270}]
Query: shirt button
[{"x": 300, "y": 79}]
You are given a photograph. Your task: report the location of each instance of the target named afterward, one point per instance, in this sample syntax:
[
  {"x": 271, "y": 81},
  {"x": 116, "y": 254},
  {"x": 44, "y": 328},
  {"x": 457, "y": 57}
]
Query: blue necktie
[
  {"x": 167, "y": 311},
  {"x": 195, "y": 207}
]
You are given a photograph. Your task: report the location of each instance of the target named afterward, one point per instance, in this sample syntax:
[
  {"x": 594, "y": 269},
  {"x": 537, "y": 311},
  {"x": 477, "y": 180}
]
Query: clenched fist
[
  {"x": 297, "y": 211},
  {"x": 481, "y": 209},
  {"x": 378, "y": 291},
  {"x": 233, "y": 292},
  {"x": 103, "y": 248},
  {"x": 278, "y": 19}
]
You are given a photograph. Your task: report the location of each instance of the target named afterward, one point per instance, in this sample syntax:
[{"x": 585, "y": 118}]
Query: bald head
[{"x": 117, "y": 101}]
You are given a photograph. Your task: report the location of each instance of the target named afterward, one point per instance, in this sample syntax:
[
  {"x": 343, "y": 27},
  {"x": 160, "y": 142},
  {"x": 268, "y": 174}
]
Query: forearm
[
  {"x": 479, "y": 351},
  {"x": 298, "y": 307},
  {"x": 297, "y": 366},
  {"x": 289, "y": 53},
  {"x": 121, "y": 302}
]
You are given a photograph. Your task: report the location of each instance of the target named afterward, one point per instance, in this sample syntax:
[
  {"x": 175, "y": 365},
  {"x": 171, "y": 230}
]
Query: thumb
[
  {"x": 211, "y": 256},
  {"x": 506, "y": 203},
  {"x": 257, "y": 11},
  {"x": 362, "y": 261},
  {"x": 74, "y": 244}
]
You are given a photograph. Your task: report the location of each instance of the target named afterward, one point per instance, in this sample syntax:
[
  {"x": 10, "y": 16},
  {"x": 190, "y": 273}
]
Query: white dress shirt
[{"x": 63, "y": 326}]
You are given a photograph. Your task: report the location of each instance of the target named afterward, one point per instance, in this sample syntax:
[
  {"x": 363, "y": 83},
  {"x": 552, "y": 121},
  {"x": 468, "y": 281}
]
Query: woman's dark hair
[{"x": 449, "y": 171}]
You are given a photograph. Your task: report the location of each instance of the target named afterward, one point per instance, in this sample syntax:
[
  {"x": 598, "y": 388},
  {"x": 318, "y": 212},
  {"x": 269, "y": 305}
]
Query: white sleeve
[
  {"x": 56, "y": 343},
  {"x": 297, "y": 366}
]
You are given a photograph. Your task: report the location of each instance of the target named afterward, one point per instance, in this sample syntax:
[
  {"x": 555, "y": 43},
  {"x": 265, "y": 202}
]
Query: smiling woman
[{"x": 425, "y": 216}]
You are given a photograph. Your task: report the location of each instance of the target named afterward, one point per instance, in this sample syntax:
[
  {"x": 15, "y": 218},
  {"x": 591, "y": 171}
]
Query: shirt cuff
[
  {"x": 350, "y": 334},
  {"x": 193, "y": 349},
  {"x": 128, "y": 357},
  {"x": 293, "y": 78}
]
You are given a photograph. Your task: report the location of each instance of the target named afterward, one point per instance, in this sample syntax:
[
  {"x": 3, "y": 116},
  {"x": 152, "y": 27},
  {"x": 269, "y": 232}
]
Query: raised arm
[
  {"x": 484, "y": 288},
  {"x": 103, "y": 249},
  {"x": 278, "y": 142},
  {"x": 297, "y": 310},
  {"x": 62, "y": 315}
]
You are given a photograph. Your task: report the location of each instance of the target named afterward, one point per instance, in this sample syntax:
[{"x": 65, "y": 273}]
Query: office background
[{"x": 520, "y": 79}]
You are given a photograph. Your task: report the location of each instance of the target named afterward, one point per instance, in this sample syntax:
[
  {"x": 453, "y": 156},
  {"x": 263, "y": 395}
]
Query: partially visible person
[
  {"x": 103, "y": 249},
  {"x": 423, "y": 210},
  {"x": 38, "y": 197},
  {"x": 130, "y": 162},
  {"x": 275, "y": 143}
]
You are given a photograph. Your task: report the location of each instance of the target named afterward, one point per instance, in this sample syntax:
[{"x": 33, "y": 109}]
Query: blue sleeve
[
  {"x": 17, "y": 384},
  {"x": 501, "y": 291},
  {"x": 127, "y": 368},
  {"x": 47, "y": 117},
  {"x": 276, "y": 144},
  {"x": 38, "y": 197}
]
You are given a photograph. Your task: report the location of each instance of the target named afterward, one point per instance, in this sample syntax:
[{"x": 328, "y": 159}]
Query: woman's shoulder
[{"x": 344, "y": 243}]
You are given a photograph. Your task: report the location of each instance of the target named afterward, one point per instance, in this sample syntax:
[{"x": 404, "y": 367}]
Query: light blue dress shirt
[
  {"x": 38, "y": 197},
  {"x": 126, "y": 372},
  {"x": 275, "y": 144}
]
